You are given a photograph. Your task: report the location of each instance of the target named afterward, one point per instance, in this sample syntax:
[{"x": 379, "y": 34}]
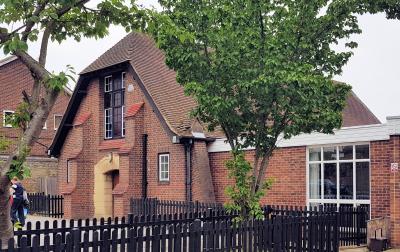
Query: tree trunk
[
  {"x": 6, "y": 227},
  {"x": 28, "y": 139}
]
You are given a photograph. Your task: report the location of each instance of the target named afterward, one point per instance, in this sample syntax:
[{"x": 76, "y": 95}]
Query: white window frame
[
  {"x": 108, "y": 85},
  {"x": 4, "y": 118},
  {"x": 160, "y": 166},
  {"x": 54, "y": 120},
  {"x": 45, "y": 125},
  {"x": 110, "y": 123},
  {"x": 123, "y": 122},
  {"x": 355, "y": 202},
  {"x": 123, "y": 74}
]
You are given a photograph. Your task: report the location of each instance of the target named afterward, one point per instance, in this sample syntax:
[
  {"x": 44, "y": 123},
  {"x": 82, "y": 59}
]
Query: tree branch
[
  {"x": 39, "y": 71},
  {"x": 29, "y": 25}
]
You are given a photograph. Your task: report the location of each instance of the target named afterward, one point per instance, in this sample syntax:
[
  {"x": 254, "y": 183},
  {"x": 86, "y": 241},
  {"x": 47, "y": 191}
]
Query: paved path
[{"x": 363, "y": 249}]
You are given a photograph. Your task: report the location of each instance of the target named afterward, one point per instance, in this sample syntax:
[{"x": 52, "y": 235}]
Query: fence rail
[
  {"x": 208, "y": 232},
  {"x": 352, "y": 221},
  {"x": 46, "y": 205}
]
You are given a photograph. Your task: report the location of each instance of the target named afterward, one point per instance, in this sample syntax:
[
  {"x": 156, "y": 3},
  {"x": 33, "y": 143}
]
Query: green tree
[
  {"x": 24, "y": 22},
  {"x": 261, "y": 71}
]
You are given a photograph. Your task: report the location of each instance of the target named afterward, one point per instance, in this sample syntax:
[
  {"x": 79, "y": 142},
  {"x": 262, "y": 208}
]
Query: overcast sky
[{"x": 373, "y": 71}]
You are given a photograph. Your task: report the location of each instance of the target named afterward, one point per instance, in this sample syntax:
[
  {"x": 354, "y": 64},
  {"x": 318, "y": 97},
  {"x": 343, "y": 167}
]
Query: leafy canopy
[{"x": 259, "y": 69}]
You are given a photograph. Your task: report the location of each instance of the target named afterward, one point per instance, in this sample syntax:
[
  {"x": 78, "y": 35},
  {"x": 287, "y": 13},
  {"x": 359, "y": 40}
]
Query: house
[
  {"x": 15, "y": 78},
  {"x": 127, "y": 133}
]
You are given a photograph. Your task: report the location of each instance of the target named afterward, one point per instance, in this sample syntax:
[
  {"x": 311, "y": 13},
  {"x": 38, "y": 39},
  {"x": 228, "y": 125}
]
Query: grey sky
[{"x": 373, "y": 71}]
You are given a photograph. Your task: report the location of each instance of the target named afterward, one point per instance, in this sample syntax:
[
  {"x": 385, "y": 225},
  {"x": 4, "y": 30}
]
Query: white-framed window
[
  {"x": 108, "y": 123},
  {"x": 57, "y": 121},
  {"x": 163, "y": 166},
  {"x": 45, "y": 125},
  {"x": 123, "y": 121},
  {"x": 7, "y": 116},
  {"x": 69, "y": 171},
  {"x": 114, "y": 102},
  {"x": 108, "y": 81},
  {"x": 123, "y": 76},
  {"x": 338, "y": 174}
]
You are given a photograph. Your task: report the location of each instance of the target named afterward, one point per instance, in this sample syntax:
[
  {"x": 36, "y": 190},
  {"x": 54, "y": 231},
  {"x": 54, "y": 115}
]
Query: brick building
[
  {"x": 15, "y": 78},
  {"x": 127, "y": 133}
]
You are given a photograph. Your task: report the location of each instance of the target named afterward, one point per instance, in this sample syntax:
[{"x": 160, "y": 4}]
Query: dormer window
[{"x": 114, "y": 102}]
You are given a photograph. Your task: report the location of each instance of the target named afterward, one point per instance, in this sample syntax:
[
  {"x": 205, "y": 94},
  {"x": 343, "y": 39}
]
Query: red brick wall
[
  {"x": 287, "y": 167},
  {"x": 202, "y": 185},
  {"x": 380, "y": 164},
  {"x": 144, "y": 122},
  {"x": 14, "y": 78}
]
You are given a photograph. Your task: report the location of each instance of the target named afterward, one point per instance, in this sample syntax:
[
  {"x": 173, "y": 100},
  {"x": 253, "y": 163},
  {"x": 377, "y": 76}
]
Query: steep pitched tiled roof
[
  {"x": 148, "y": 63},
  {"x": 160, "y": 81},
  {"x": 357, "y": 113}
]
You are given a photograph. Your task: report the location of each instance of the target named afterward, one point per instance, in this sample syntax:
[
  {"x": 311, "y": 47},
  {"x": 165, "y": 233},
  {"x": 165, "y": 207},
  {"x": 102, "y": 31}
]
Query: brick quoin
[{"x": 14, "y": 78}]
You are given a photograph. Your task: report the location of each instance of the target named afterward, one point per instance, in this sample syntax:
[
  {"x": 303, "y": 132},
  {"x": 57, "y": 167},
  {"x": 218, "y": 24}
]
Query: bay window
[
  {"x": 338, "y": 175},
  {"x": 114, "y": 102}
]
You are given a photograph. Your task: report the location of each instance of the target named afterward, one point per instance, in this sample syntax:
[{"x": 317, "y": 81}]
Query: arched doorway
[{"x": 106, "y": 177}]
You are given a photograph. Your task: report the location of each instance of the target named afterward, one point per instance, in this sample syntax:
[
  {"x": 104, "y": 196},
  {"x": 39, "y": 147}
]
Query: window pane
[
  {"x": 345, "y": 152},
  {"x": 346, "y": 180},
  {"x": 117, "y": 122},
  {"x": 315, "y": 181},
  {"x": 362, "y": 181},
  {"x": 117, "y": 99},
  {"x": 362, "y": 151},
  {"x": 107, "y": 100},
  {"x": 330, "y": 181},
  {"x": 117, "y": 85},
  {"x": 329, "y": 153},
  {"x": 315, "y": 154}
]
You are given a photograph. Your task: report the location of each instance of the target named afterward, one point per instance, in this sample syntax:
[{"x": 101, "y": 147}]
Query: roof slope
[
  {"x": 357, "y": 113},
  {"x": 160, "y": 82},
  {"x": 148, "y": 62}
]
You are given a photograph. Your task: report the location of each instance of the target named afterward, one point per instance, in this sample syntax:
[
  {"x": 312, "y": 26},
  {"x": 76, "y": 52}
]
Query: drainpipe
[
  {"x": 144, "y": 166},
  {"x": 188, "y": 169}
]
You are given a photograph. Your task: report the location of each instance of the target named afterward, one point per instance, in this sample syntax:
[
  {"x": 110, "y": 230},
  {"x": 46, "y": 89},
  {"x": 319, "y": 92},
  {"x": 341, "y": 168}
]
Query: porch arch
[{"x": 103, "y": 185}]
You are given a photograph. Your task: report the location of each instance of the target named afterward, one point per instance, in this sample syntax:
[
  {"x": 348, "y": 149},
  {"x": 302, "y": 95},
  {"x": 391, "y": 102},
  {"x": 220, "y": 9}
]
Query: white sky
[{"x": 373, "y": 71}]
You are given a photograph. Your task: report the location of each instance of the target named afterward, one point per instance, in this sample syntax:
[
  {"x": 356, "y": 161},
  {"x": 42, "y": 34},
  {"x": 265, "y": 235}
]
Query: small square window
[
  {"x": 57, "y": 121},
  {"x": 7, "y": 118},
  {"x": 163, "y": 167}
]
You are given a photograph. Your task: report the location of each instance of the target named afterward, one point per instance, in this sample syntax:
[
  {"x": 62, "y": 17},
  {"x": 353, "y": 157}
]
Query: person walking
[{"x": 17, "y": 207}]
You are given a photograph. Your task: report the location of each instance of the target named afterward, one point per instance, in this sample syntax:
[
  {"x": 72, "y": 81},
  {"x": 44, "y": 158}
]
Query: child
[{"x": 17, "y": 206}]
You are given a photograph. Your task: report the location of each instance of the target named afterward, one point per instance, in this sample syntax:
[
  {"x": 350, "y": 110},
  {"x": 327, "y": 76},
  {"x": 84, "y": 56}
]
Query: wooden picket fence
[
  {"x": 352, "y": 221},
  {"x": 46, "y": 205},
  {"x": 183, "y": 233}
]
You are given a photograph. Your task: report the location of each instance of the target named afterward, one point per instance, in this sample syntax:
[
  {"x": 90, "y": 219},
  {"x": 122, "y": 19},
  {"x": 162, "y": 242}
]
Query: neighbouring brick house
[
  {"x": 127, "y": 133},
  {"x": 15, "y": 78}
]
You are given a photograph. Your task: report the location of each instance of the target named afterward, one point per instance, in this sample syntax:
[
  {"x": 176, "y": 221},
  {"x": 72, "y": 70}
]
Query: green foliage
[
  {"x": 59, "y": 81},
  {"x": 261, "y": 70},
  {"x": 18, "y": 167},
  {"x": 4, "y": 143},
  {"x": 242, "y": 199},
  {"x": 21, "y": 116},
  {"x": 13, "y": 45}
]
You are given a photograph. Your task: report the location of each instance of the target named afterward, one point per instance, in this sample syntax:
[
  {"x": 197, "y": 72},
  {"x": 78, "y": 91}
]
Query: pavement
[{"x": 362, "y": 249}]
